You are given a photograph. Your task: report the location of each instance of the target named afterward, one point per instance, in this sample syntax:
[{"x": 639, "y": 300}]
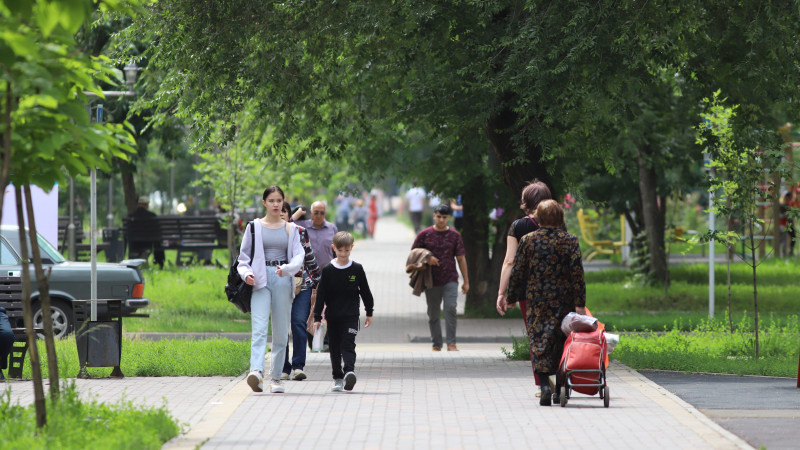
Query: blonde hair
[
  {"x": 550, "y": 214},
  {"x": 343, "y": 239}
]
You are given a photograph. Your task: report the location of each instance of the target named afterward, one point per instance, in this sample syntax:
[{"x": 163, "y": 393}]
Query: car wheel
[{"x": 63, "y": 320}]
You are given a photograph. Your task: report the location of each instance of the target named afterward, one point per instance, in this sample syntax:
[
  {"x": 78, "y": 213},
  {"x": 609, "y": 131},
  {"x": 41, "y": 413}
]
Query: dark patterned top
[
  {"x": 445, "y": 246},
  {"x": 548, "y": 273},
  {"x": 311, "y": 271}
]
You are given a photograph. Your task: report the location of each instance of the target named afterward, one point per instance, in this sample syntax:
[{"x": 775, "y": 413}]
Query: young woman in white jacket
[{"x": 277, "y": 256}]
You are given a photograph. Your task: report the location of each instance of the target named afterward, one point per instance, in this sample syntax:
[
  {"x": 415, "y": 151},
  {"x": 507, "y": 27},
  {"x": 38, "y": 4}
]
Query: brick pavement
[{"x": 410, "y": 397}]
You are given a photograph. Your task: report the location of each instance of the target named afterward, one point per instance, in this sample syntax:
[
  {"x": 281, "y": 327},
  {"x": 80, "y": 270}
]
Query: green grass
[
  {"x": 163, "y": 358},
  {"x": 185, "y": 299},
  {"x": 709, "y": 347},
  {"x": 77, "y": 424}
]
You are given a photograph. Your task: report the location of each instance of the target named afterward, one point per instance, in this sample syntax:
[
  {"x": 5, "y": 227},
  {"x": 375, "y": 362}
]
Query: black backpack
[{"x": 237, "y": 291}]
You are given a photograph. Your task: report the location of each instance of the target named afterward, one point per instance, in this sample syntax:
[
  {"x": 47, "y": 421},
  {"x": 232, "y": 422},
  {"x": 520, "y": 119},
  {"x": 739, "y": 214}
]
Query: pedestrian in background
[
  {"x": 6, "y": 341},
  {"x": 416, "y": 205},
  {"x": 447, "y": 247}
]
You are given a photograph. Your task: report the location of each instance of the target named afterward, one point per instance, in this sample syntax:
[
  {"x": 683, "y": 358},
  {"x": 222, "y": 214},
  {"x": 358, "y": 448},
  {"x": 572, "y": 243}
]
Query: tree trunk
[
  {"x": 653, "y": 218},
  {"x": 128, "y": 187},
  {"x": 499, "y": 130},
  {"x": 475, "y": 237},
  {"x": 44, "y": 298},
  {"x": 755, "y": 287},
  {"x": 27, "y": 314}
]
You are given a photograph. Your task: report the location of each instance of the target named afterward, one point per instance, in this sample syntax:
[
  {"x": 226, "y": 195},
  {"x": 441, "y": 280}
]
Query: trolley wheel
[
  {"x": 563, "y": 396},
  {"x": 602, "y": 393},
  {"x": 606, "y": 400}
]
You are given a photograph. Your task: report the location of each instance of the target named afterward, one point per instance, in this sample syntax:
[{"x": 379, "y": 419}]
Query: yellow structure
[{"x": 599, "y": 247}]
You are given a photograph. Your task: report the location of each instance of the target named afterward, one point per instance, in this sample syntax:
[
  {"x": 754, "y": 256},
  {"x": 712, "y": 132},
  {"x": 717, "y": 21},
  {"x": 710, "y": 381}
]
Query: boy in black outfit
[{"x": 340, "y": 286}]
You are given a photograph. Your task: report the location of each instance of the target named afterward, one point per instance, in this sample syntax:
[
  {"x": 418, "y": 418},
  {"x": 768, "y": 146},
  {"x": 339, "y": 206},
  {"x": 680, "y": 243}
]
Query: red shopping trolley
[{"x": 583, "y": 365}]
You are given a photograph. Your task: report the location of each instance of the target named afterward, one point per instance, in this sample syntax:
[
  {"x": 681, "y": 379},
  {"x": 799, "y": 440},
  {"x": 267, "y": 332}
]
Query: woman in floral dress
[{"x": 548, "y": 273}]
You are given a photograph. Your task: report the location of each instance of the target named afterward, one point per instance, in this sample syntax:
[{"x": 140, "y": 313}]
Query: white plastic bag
[
  {"x": 611, "y": 341},
  {"x": 319, "y": 336},
  {"x": 578, "y": 323}
]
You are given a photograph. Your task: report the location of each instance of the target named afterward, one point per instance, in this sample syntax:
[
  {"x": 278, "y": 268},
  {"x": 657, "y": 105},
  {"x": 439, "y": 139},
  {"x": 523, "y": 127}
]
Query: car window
[
  {"x": 48, "y": 251},
  {"x": 7, "y": 257}
]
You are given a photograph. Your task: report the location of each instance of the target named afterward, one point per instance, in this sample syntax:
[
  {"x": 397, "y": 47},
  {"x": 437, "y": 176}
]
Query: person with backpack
[{"x": 277, "y": 254}]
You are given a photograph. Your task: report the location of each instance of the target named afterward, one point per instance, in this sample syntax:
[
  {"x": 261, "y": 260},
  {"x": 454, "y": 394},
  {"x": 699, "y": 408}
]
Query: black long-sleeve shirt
[{"x": 340, "y": 289}]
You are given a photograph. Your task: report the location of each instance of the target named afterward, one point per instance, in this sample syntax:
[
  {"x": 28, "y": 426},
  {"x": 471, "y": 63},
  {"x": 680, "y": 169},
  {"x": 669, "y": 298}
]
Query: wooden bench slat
[{"x": 183, "y": 233}]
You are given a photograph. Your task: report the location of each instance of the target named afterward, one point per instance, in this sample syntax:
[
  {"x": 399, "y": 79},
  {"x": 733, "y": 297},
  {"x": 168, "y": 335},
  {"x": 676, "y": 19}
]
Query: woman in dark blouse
[{"x": 548, "y": 274}]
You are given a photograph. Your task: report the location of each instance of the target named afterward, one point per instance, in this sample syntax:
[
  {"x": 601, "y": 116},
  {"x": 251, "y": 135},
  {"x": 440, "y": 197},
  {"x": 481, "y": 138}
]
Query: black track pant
[{"x": 342, "y": 340}]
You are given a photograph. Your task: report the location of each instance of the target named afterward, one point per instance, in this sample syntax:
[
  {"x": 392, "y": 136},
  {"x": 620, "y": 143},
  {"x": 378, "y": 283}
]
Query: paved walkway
[{"x": 410, "y": 397}]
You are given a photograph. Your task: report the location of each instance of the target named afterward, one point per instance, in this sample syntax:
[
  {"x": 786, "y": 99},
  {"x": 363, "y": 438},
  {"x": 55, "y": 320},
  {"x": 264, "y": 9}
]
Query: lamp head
[{"x": 131, "y": 71}]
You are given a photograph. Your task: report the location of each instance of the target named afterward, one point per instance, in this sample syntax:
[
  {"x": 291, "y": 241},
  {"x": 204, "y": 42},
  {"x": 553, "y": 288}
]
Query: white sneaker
[
  {"x": 338, "y": 385},
  {"x": 256, "y": 381},
  {"x": 276, "y": 387},
  {"x": 298, "y": 375},
  {"x": 349, "y": 381},
  {"x": 284, "y": 376}
]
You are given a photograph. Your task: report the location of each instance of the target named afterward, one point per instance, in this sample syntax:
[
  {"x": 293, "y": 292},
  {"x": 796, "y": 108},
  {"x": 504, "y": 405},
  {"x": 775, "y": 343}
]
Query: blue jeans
[
  {"x": 277, "y": 297},
  {"x": 300, "y": 309}
]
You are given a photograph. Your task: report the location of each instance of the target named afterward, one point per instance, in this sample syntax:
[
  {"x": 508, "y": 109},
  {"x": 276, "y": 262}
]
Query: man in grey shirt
[{"x": 320, "y": 232}]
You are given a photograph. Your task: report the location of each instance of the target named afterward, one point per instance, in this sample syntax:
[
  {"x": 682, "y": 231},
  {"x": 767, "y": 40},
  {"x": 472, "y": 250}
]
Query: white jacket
[{"x": 258, "y": 267}]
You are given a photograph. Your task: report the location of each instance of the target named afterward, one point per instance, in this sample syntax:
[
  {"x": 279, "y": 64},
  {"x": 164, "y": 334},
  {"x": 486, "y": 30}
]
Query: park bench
[
  {"x": 599, "y": 247},
  {"x": 11, "y": 300},
  {"x": 82, "y": 249},
  {"x": 194, "y": 237}
]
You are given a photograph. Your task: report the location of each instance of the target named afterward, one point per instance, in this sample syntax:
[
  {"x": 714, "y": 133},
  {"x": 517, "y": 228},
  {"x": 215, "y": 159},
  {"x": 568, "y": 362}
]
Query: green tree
[
  {"x": 46, "y": 130},
  {"x": 740, "y": 159}
]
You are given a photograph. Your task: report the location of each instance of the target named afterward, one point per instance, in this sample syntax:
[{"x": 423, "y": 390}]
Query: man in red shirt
[{"x": 447, "y": 247}]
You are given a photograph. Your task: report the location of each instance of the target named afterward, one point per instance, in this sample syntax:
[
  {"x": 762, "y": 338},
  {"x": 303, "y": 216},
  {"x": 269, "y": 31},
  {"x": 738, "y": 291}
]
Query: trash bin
[
  {"x": 114, "y": 251},
  {"x": 99, "y": 341}
]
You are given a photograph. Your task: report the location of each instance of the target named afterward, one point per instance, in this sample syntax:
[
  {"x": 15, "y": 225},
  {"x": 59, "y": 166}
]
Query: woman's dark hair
[
  {"x": 550, "y": 214},
  {"x": 287, "y": 209},
  {"x": 270, "y": 190},
  {"x": 533, "y": 194}
]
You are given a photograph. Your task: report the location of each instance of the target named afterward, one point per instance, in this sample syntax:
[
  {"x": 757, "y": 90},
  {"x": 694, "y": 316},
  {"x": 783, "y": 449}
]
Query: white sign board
[{"x": 45, "y": 211}]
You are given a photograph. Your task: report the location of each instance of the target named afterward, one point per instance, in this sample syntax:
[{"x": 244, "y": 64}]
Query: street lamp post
[{"x": 131, "y": 72}]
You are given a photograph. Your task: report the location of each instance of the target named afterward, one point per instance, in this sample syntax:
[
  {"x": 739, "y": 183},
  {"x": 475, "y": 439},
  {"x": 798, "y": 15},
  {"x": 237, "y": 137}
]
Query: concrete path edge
[{"x": 683, "y": 412}]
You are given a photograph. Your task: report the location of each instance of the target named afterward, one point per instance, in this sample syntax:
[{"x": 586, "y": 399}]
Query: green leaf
[{"x": 21, "y": 45}]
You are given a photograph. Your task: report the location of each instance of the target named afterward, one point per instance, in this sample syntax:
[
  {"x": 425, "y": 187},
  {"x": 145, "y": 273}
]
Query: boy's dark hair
[
  {"x": 443, "y": 209},
  {"x": 343, "y": 239}
]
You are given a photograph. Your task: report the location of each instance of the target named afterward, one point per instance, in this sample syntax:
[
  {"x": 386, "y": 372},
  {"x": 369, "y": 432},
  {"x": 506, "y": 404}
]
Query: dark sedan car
[{"x": 70, "y": 280}]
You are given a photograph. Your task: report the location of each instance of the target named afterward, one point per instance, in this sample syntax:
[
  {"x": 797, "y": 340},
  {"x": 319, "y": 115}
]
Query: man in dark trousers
[
  {"x": 143, "y": 220},
  {"x": 447, "y": 247},
  {"x": 6, "y": 341}
]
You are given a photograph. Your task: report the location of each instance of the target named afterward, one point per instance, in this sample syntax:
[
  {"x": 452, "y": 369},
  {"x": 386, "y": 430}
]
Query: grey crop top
[{"x": 275, "y": 241}]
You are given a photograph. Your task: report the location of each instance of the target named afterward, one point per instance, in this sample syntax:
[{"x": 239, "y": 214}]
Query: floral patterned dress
[{"x": 548, "y": 273}]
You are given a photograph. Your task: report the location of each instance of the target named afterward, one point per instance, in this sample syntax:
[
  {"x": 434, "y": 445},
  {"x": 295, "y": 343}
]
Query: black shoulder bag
[{"x": 237, "y": 291}]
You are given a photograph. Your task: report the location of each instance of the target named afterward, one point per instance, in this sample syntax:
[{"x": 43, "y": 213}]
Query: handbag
[
  {"x": 298, "y": 285},
  {"x": 237, "y": 291}
]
